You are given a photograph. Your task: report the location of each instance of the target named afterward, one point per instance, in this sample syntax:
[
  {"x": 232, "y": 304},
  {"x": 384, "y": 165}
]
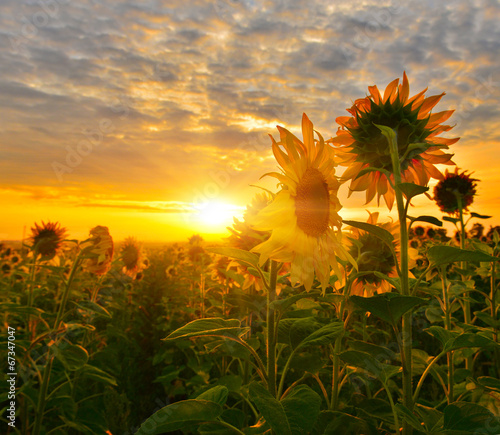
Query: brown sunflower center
[{"x": 312, "y": 203}]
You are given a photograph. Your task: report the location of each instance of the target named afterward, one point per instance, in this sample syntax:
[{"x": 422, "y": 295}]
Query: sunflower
[
  {"x": 132, "y": 257},
  {"x": 456, "y": 191},
  {"x": 361, "y": 145},
  {"x": 373, "y": 255},
  {"x": 99, "y": 249},
  {"x": 47, "y": 239},
  {"x": 304, "y": 213}
]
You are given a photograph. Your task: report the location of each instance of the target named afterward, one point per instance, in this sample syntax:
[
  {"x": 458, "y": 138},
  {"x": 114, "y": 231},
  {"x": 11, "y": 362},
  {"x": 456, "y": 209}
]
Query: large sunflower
[
  {"x": 47, "y": 239},
  {"x": 304, "y": 213},
  {"x": 362, "y": 145}
]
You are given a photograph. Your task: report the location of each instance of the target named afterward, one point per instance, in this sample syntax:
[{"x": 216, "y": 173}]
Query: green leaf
[
  {"x": 238, "y": 254},
  {"x": 96, "y": 374},
  {"x": 489, "y": 383},
  {"x": 203, "y": 327},
  {"x": 270, "y": 408},
  {"x": 470, "y": 418},
  {"x": 178, "y": 415},
  {"x": 217, "y": 394},
  {"x": 377, "y": 231},
  {"x": 442, "y": 254},
  {"x": 369, "y": 363},
  {"x": 72, "y": 356},
  {"x": 92, "y": 306},
  {"x": 302, "y": 406},
  {"x": 452, "y": 340},
  {"x": 428, "y": 219},
  {"x": 480, "y": 216},
  {"x": 283, "y": 304},
  {"x": 371, "y": 169},
  {"x": 408, "y": 416},
  {"x": 379, "y": 352},
  {"x": 340, "y": 423},
  {"x": 20, "y": 309},
  {"x": 450, "y": 219},
  {"x": 387, "y": 306},
  {"x": 410, "y": 190},
  {"x": 324, "y": 335}
]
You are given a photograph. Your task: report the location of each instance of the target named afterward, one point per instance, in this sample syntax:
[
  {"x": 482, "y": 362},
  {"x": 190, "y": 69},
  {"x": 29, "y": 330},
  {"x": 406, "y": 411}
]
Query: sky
[{"x": 153, "y": 117}]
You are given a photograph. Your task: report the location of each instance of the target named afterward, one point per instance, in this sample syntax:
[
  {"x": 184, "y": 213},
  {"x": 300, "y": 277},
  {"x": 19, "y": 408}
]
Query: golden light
[{"x": 217, "y": 215}]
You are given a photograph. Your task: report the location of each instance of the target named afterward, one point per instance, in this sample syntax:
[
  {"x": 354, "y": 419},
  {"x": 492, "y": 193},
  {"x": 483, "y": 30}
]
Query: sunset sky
[{"x": 152, "y": 117}]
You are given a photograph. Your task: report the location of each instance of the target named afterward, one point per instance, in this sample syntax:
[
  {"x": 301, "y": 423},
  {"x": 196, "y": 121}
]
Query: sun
[{"x": 217, "y": 215}]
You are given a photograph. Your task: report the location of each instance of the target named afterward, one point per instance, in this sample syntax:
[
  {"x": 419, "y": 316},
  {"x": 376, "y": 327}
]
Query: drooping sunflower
[
  {"x": 360, "y": 143},
  {"x": 132, "y": 257},
  {"x": 303, "y": 217},
  {"x": 455, "y": 191},
  {"x": 99, "y": 250},
  {"x": 47, "y": 239},
  {"x": 374, "y": 255}
]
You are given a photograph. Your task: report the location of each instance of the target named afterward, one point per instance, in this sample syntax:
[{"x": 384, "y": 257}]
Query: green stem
[
  {"x": 271, "y": 339},
  {"x": 493, "y": 312},
  {"x": 447, "y": 324},
  {"x": 40, "y": 409},
  {"x": 285, "y": 371},
  {"x": 406, "y": 350},
  {"x": 391, "y": 401},
  {"x": 229, "y": 426},
  {"x": 65, "y": 296},
  {"x": 463, "y": 265}
]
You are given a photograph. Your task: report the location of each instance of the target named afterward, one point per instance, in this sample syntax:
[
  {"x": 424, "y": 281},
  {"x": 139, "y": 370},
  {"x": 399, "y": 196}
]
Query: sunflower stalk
[
  {"x": 271, "y": 324},
  {"x": 447, "y": 320},
  {"x": 406, "y": 342},
  {"x": 467, "y": 313}
]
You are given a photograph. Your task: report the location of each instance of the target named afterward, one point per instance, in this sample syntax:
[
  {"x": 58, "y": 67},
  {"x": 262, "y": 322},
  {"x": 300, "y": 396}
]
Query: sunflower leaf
[
  {"x": 480, "y": 216},
  {"x": 237, "y": 254},
  {"x": 375, "y": 230},
  {"x": 451, "y": 219},
  {"x": 411, "y": 189},
  {"x": 429, "y": 219},
  {"x": 365, "y": 171},
  {"x": 441, "y": 255},
  {"x": 208, "y": 327},
  {"x": 387, "y": 306}
]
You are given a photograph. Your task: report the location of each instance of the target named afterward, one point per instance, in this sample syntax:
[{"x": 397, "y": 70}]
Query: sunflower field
[{"x": 300, "y": 322}]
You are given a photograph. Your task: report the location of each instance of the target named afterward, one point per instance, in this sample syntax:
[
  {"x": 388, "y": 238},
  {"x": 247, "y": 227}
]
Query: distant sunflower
[
  {"x": 47, "y": 239},
  {"x": 132, "y": 257},
  {"x": 363, "y": 146},
  {"x": 303, "y": 216},
  {"x": 456, "y": 191},
  {"x": 99, "y": 248}
]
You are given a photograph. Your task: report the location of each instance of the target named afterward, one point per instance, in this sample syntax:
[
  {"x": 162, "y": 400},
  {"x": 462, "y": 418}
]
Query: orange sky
[{"x": 152, "y": 118}]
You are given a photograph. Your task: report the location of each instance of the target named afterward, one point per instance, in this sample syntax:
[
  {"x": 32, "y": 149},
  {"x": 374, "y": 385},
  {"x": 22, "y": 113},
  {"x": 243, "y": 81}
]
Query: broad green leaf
[
  {"x": 379, "y": 352},
  {"x": 451, "y": 219},
  {"x": 20, "y": 309},
  {"x": 302, "y": 406},
  {"x": 217, "y": 394},
  {"x": 480, "y": 216},
  {"x": 376, "y": 409},
  {"x": 428, "y": 219},
  {"x": 324, "y": 335},
  {"x": 339, "y": 423},
  {"x": 270, "y": 408},
  {"x": 408, "y": 416},
  {"x": 178, "y": 415},
  {"x": 442, "y": 254},
  {"x": 369, "y": 363},
  {"x": 431, "y": 417},
  {"x": 212, "y": 326},
  {"x": 387, "y": 306},
  {"x": 238, "y": 254},
  {"x": 486, "y": 318},
  {"x": 96, "y": 374},
  {"x": 410, "y": 190},
  {"x": 283, "y": 304},
  {"x": 452, "y": 340},
  {"x": 370, "y": 169},
  {"x": 375, "y": 230},
  {"x": 490, "y": 383},
  {"x": 72, "y": 356},
  {"x": 470, "y": 418},
  {"x": 92, "y": 306}
]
